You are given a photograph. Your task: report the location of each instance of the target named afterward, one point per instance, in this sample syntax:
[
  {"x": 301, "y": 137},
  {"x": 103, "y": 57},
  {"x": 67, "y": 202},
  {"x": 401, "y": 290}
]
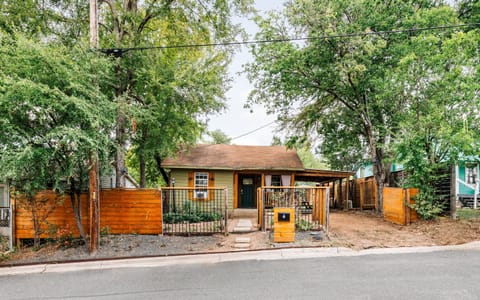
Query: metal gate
[{"x": 189, "y": 211}]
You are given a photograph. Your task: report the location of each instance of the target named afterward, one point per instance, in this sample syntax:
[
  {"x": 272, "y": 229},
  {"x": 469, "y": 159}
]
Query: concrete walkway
[{"x": 278, "y": 254}]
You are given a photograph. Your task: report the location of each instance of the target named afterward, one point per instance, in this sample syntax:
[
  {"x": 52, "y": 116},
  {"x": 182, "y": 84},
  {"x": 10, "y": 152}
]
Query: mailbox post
[{"x": 284, "y": 225}]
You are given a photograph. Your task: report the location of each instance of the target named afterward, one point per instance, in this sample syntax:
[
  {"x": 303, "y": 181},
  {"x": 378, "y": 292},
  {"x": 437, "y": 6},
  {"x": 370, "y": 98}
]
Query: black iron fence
[
  {"x": 189, "y": 211},
  {"x": 4, "y": 217},
  {"x": 310, "y": 204}
]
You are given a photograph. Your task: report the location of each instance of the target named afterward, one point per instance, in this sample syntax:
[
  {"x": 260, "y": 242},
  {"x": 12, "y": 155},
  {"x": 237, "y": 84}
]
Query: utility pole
[{"x": 94, "y": 169}]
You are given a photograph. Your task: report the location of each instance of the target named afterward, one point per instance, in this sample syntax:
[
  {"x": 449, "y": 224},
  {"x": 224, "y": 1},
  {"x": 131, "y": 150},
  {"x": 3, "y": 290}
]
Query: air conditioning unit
[{"x": 201, "y": 194}]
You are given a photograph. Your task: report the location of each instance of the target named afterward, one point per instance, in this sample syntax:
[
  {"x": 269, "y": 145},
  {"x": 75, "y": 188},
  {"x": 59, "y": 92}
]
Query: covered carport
[{"x": 338, "y": 181}]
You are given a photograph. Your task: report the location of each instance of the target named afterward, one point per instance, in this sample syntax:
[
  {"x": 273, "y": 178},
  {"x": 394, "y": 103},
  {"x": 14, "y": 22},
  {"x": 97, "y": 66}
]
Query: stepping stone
[
  {"x": 244, "y": 223},
  {"x": 242, "y": 229},
  {"x": 242, "y": 240},
  {"x": 241, "y": 246}
]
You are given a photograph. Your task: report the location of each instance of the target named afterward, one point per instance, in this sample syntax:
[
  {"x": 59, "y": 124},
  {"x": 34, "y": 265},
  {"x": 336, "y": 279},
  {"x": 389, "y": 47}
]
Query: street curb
[{"x": 274, "y": 254}]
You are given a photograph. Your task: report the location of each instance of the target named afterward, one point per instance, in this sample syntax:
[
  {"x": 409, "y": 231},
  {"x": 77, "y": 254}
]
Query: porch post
[
  {"x": 453, "y": 192},
  {"x": 11, "y": 219}
]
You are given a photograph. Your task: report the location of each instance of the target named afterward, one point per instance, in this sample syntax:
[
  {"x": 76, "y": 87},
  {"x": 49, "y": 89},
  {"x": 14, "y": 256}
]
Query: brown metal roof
[{"x": 236, "y": 157}]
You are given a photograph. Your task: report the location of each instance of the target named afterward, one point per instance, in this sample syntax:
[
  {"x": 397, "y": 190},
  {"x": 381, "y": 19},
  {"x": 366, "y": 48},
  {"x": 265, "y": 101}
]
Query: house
[
  {"x": 242, "y": 169},
  {"x": 460, "y": 180},
  {"x": 108, "y": 181},
  {"x": 467, "y": 183}
]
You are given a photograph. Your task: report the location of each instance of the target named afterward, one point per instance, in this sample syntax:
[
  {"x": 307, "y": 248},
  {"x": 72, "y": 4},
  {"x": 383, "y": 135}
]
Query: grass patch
[{"x": 468, "y": 213}]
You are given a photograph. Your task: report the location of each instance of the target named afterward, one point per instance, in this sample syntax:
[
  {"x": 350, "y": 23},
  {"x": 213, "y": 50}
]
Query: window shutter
[
  {"x": 211, "y": 184},
  {"x": 190, "y": 184}
]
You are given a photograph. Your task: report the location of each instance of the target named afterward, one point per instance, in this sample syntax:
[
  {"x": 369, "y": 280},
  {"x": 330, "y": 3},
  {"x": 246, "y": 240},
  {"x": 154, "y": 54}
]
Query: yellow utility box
[{"x": 283, "y": 225}]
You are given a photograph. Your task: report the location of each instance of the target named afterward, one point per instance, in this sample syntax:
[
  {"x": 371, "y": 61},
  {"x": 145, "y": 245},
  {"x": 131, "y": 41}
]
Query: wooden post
[
  {"x": 94, "y": 204},
  {"x": 347, "y": 184},
  {"x": 94, "y": 169},
  {"x": 13, "y": 213},
  {"x": 453, "y": 192}
]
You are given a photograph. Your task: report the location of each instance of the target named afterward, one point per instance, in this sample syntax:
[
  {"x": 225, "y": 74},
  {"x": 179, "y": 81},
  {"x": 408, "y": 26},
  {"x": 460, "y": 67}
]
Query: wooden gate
[
  {"x": 396, "y": 205},
  {"x": 310, "y": 204}
]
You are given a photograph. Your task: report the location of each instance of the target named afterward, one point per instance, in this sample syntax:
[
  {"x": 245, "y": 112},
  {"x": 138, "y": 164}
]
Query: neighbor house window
[
  {"x": 201, "y": 184},
  {"x": 3, "y": 197},
  {"x": 472, "y": 175}
]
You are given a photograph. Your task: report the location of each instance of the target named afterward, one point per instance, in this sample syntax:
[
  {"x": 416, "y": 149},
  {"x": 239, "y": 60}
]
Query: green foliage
[
  {"x": 105, "y": 231},
  {"x": 219, "y": 137},
  {"x": 438, "y": 80},
  {"x": 309, "y": 160},
  {"x": 427, "y": 205},
  {"x": 304, "y": 225},
  {"x": 331, "y": 92},
  {"x": 468, "y": 214},
  {"x": 369, "y": 97},
  {"x": 191, "y": 214},
  {"x": 53, "y": 114}
]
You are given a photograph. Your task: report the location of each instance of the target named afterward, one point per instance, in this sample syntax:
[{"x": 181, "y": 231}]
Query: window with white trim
[
  {"x": 201, "y": 185},
  {"x": 3, "y": 196},
  {"x": 472, "y": 175}
]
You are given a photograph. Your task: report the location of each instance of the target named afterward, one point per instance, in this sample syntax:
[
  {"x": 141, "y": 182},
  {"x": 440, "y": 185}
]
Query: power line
[
  {"x": 117, "y": 52},
  {"x": 252, "y": 131}
]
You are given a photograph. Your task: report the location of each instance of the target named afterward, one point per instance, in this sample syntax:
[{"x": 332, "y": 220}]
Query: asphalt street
[{"x": 444, "y": 274}]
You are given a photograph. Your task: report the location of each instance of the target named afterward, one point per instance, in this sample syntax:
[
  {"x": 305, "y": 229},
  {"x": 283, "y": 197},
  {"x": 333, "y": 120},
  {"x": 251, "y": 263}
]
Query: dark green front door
[{"x": 247, "y": 193}]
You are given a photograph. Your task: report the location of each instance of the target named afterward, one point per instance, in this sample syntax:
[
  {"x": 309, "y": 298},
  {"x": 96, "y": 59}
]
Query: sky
[{"x": 237, "y": 120}]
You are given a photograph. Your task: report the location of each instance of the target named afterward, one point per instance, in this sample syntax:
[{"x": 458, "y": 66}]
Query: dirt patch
[
  {"x": 362, "y": 230},
  {"x": 353, "y": 229}
]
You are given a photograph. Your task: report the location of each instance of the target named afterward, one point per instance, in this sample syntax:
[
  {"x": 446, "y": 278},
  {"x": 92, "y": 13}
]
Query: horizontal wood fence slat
[
  {"x": 122, "y": 211},
  {"x": 396, "y": 205}
]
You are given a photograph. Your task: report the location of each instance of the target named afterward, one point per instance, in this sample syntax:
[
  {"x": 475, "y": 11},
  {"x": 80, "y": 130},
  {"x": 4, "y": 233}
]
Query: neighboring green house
[
  {"x": 242, "y": 169},
  {"x": 366, "y": 169},
  {"x": 466, "y": 179},
  {"x": 467, "y": 182}
]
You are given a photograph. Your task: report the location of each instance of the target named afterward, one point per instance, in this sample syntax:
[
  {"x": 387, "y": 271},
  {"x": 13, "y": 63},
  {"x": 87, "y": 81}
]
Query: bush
[
  {"x": 190, "y": 214},
  {"x": 304, "y": 225},
  {"x": 427, "y": 206}
]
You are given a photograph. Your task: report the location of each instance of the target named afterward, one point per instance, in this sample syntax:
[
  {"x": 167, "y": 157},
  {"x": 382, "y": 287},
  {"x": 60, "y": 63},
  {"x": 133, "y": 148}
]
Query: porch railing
[
  {"x": 4, "y": 217},
  {"x": 190, "y": 211},
  {"x": 310, "y": 204}
]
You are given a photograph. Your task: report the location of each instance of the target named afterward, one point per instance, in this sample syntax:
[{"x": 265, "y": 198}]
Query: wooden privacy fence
[
  {"x": 122, "y": 211},
  {"x": 126, "y": 211},
  {"x": 396, "y": 205},
  {"x": 310, "y": 204},
  {"x": 367, "y": 193}
]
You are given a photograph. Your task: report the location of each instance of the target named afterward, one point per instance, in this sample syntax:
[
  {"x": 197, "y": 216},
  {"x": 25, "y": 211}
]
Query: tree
[
  {"x": 469, "y": 11},
  {"x": 162, "y": 96},
  {"x": 54, "y": 113},
  {"x": 166, "y": 93},
  {"x": 439, "y": 83},
  {"x": 219, "y": 137},
  {"x": 332, "y": 89}
]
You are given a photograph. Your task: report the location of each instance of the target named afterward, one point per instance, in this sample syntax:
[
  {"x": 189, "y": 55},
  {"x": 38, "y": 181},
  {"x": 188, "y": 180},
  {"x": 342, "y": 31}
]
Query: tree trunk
[
  {"x": 143, "y": 175},
  {"x": 379, "y": 172},
  {"x": 158, "y": 160},
  {"x": 120, "y": 155},
  {"x": 376, "y": 155},
  {"x": 77, "y": 208},
  {"x": 36, "y": 224}
]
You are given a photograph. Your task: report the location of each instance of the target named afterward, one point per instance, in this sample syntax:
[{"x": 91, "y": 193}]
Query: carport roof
[{"x": 314, "y": 175}]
